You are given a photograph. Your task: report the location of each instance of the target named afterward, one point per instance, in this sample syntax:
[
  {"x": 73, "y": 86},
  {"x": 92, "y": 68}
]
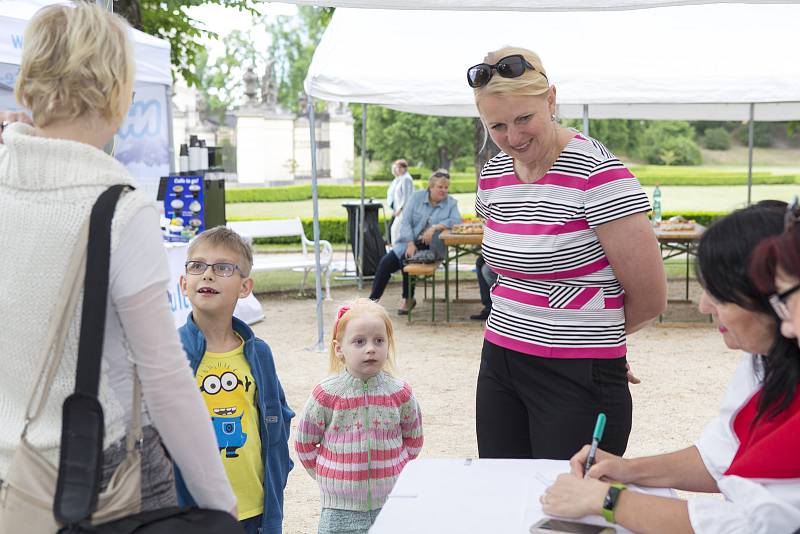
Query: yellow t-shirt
[{"x": 229, "y": 390}]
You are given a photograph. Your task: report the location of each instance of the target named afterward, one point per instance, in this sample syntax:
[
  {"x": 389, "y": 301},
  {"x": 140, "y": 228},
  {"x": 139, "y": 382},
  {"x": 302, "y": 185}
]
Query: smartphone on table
[{"x": 559, "y": 526}]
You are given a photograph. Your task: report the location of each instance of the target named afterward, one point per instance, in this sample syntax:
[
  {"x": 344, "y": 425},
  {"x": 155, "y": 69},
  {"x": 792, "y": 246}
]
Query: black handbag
[{"x": 83, "y": 427}]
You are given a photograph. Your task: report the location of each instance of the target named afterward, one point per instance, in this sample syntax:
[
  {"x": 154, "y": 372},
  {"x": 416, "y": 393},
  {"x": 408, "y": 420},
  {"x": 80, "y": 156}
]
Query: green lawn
[{"x": 674, "y": 198}]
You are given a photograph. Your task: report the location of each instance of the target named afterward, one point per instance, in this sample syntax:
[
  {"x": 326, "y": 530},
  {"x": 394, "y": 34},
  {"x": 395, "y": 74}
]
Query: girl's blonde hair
[
  {"x": 359, "y": 308},
  {"x": 531, "y": 83},
  {"x": 76, "y": 60}
]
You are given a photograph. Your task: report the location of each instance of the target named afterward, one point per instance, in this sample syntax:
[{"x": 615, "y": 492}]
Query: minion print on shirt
[
  {"x": 227, "y": 386},
  {"x": 225, "y": 395}
]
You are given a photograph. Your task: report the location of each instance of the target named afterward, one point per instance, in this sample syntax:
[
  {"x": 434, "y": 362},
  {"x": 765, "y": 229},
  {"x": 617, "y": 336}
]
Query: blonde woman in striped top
[
  {"x": 362, "y": 425},
  {"x": 579, "y": 268}
]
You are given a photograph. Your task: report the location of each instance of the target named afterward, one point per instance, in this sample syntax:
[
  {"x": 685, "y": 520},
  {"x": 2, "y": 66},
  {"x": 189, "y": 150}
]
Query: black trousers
[
  {"x": 389, "y": 264},
  {"x": 531, "y": 407}
]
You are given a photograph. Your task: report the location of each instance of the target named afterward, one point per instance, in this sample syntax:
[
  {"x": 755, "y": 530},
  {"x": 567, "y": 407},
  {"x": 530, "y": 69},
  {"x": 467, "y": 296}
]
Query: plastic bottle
[
  {"x": 203, "y": 155},
  {"x": 194, "y": 154},
  {"x": 183, "y": 165},
  {"x": 657, "y": 205}
]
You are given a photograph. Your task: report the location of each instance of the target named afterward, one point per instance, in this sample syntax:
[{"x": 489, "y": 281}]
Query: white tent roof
[
  {"x": 152, "y": 54},
  {"x": 686, "y": 62},
  {"x": 517, "y": 5}
]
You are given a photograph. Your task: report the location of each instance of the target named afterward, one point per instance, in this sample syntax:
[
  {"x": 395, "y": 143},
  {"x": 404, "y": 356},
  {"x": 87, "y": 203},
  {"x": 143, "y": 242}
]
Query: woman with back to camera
[
  {"x": 579, "y": 268},
  {"x": 749, "y": 451},
  {"x": 76, "y": 77}
]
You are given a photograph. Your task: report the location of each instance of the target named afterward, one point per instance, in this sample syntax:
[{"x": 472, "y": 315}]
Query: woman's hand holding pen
[{"x": 606, "y": 465}]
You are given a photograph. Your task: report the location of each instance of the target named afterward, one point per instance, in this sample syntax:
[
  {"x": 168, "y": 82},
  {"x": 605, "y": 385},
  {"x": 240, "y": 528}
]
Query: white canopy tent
[
  {"x": 728, "y": 61},
  {"x": 144, "y": 141},
  {"x": 515, "y": 5},
  {"x": 691, "y": 62}
]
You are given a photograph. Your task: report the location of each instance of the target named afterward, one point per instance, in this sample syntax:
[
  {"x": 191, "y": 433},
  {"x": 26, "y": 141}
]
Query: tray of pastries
[
  {"x": 675, "y": 224},
  {"x": 467, "y": 228}
]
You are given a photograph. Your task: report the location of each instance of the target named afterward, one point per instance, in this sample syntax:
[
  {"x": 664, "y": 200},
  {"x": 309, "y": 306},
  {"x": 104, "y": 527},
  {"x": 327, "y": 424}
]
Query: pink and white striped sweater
[{"x": 355, "y": 437}]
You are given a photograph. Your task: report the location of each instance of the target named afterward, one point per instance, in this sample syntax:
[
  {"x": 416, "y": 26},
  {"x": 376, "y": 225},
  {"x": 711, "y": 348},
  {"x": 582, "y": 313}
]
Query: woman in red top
[{"x": 749, "y": 451}]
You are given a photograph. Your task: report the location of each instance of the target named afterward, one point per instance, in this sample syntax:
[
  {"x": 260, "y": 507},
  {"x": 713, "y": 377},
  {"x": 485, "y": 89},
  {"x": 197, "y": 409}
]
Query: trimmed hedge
[
  {"x": 465, "y": 183},
  {"x": 333, "y": 229}
]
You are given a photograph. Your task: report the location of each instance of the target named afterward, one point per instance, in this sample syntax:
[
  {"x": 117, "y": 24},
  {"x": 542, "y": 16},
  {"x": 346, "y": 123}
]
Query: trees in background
[
  {"x": 169, "y": 20},
  {"x": 432, "y": 141},
  {"x": 294, "y": 40}
]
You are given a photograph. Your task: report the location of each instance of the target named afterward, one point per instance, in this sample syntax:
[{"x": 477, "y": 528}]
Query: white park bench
[{"x": 263, "y": 263}]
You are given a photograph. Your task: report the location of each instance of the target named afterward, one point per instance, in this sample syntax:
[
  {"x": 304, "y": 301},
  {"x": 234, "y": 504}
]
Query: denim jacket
[
  {"x": 418, "y": 214},
  {"x": 275, "y": 417}
]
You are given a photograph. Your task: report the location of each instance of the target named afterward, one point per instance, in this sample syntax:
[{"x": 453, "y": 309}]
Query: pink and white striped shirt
[
  {"x": 355, "y": 436},
  {"x": 556, "y": 296}
]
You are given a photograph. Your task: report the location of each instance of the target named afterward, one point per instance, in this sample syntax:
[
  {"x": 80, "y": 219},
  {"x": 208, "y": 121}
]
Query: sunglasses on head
[
  {"x": 441, "y": 174},
  {"x": 512, "y": 66}
]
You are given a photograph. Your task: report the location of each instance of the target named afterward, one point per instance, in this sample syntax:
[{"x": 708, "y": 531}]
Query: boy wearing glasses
[{"x": 236, "y": 376}]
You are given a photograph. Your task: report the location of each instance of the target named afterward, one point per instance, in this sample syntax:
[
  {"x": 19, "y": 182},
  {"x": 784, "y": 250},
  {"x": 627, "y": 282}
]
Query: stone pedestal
[
  {"x": 264, "y": 146},
  {"x": 342, "y": 148}
]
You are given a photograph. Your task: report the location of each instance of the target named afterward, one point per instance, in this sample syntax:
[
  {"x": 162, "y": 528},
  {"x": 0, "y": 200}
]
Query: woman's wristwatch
[{"x": 610, "y": 502}]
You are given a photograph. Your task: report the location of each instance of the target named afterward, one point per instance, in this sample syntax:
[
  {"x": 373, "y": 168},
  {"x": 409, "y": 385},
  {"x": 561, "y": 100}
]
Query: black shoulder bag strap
[{"x": 83, "y": 426}]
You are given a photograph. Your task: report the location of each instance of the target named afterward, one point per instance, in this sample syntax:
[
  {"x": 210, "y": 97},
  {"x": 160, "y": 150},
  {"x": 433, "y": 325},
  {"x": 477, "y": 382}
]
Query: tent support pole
[
  {"x": 586, "y": 120},
  {"x": 320, "y": 345},
  {"x": 750, "y": 153},
  {"x": 170, "y": 131},
  {"x": 360, "y": 247}
]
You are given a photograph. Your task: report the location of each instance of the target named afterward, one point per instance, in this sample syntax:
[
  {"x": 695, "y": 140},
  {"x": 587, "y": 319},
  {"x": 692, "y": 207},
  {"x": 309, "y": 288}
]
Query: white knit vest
[{"x": 47, "y": 189}]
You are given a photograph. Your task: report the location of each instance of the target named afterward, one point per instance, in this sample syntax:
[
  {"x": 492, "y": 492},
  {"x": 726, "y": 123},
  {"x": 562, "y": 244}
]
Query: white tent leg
[
  {"x": 320, "y": 345},
  {"x": 750, "y": 153},
  {"x": 586, "y": 120},
  {"x": 360, "y": 247}
]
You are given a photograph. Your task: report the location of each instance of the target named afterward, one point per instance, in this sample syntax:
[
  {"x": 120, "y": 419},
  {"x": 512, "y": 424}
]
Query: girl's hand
[
  {"x": 411, "y": 249},
  {"x": 573, "y": 496},
  {"x": 606, "y": 466},
  {"x": 631, "y": 377}
]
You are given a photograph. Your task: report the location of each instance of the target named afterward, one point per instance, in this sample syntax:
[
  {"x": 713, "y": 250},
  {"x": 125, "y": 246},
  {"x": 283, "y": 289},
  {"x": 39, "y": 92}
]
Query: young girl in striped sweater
[{"x": 361, "y": 425}]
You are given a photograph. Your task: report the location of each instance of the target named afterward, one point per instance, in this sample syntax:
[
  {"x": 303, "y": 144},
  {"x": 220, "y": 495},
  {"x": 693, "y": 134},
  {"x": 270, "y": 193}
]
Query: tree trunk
[
  {"x": 485, "y": 149},
  {"x": 129, "y": 10},
  {"x": 444, "y": 158}
]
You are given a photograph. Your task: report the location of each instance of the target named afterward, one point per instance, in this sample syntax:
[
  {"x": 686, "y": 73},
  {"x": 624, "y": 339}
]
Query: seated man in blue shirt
[{"x": 425, "y": 215}]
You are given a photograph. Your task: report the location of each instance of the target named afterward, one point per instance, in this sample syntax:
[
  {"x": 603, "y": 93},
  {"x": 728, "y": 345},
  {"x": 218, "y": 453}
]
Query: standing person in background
[
  {"x": 399, "y": 192},
  {"x": 76, "y": 77},
  {"x": 362, "y": 425},
  {"x": 579, "y": 268}
]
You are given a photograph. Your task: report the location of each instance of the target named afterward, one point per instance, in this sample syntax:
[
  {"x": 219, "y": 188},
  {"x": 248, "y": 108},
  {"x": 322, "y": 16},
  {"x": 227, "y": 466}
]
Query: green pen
[{"x": 599, "y": 426}]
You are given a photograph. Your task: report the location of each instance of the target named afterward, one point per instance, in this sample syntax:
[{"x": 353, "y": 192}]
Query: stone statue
[
  {"x": 302, "y": 102},
  {"x": 269, "y": 89},
  {"x": 200, "y": 104},
  {"x": 251, "y": 86}
]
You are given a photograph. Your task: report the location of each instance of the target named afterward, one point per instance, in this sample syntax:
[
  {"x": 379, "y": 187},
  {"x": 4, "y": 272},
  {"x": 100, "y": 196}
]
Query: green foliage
[
  {"x": 762, "y": 134},
  {"x": 169, "y": 20},
  {"x": 293, "y": 42},
  {"x": 619, "y": 136},
  {"x": 717, "y": 139},
  {"x": 434, "y": 141},
  {"x": 302, "y": 192},
  {"x": 660, "y": 175},
  {"x": 669, "y": 143}
]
